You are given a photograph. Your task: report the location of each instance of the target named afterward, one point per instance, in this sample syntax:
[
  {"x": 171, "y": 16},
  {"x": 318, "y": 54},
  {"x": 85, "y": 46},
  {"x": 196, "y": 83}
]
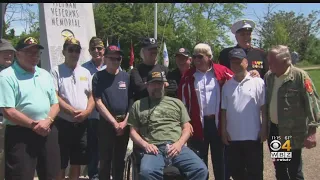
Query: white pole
[{"x": 155, "y": 20}]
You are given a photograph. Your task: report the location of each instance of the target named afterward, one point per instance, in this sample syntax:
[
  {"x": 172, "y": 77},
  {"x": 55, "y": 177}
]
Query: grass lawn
[{"x": 315, "y": 76}]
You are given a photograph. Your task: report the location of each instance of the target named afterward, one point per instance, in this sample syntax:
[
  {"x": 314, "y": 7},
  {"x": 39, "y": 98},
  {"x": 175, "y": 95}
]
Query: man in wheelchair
[{"x": 159, "y": 121}]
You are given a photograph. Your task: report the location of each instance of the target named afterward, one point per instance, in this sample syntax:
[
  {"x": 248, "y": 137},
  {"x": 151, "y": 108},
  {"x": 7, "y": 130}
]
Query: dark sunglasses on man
[
  {"x": 114, "y": 58},
  {"x": 94, "y": 48},
  {"x": 76, "y": 50},
  {"x": 199, "y": 56}
]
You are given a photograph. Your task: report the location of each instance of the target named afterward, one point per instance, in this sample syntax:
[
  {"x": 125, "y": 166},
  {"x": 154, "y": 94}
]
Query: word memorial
[{"x": 281, "y": 152}]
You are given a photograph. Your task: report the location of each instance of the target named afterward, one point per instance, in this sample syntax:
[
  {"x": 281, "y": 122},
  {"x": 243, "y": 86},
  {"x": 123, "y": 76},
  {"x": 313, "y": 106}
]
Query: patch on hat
[
  {"x": 30, "y": 40},
  {"x": 152, "y": 41},
  {"x": 114, "y": 48},
  {"x": 156, "y": 75},
  {"x": 182, "y": 50}
]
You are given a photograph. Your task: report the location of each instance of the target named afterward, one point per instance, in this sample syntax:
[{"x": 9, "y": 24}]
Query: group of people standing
[{"x": 84, "y": 114}]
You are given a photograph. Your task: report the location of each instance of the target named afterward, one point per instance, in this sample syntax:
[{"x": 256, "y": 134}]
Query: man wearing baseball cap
[
  {"x": 112, "y": 96},
  {"x": 30, "y": 105},
  {"x": 257, "y": 58},
  {"x": 96, "y": 50},
  {"x": 73, "y": 86},
  {"x": 242, "y": 102},
  {"x": 138, "y": 75},
  {"x": 183, "y": 61},
  {"x": 157, "y": 122}
]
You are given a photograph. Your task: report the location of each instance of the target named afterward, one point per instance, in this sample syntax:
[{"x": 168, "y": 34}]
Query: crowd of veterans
[{"x": 78, "y": 115}]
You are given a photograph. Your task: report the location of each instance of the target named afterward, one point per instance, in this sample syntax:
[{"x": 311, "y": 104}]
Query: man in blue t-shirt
[{"x": 111, "y": 93}]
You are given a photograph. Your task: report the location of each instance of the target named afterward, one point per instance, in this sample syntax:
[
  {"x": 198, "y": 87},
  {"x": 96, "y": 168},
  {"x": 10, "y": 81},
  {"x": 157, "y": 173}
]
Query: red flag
[{"x": 131, "y": 56}]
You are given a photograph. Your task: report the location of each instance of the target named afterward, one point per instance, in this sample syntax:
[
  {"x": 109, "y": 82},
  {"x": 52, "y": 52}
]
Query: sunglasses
[
  {"x": 94, "y": 48},
  {"x": 114, "y": 59},
  {"x": 199, "y": 56},
  {"x": 76, "y": 50}
]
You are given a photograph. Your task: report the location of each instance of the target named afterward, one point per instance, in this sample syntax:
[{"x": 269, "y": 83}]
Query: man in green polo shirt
[{"x": 30, "y": 104}]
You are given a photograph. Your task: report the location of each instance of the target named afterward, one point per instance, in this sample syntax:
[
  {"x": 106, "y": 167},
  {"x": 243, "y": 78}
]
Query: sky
[{"x": 258, "y": 8}]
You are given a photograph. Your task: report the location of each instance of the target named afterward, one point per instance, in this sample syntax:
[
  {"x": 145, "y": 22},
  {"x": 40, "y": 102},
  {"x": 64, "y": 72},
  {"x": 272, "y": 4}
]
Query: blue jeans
[
  {"x": 187, "y": 161},
  {"x": 93, "y": 148}
]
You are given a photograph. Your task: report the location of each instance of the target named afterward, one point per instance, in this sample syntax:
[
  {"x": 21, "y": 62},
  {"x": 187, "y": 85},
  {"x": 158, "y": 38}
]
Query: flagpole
[
  {"x": 155, "y": 20},
  {"x": 2, "y": 12}
]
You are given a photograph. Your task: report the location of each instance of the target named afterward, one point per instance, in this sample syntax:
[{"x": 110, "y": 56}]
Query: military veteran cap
[
  {"x": 149, "y": 43},
  {"x": 156, "y": 74},
  {"x": 243, "y": 24},
  {"x": 6, "y": 45},
  {"x": 184, "y": 52},
  {"x": 95, "y": 42},
  {"x": 113, "y": 49},
  {"x": 237, "y": 53},
  {"x": 28, "y": 42},
  {"x": 71, "y": 41}
]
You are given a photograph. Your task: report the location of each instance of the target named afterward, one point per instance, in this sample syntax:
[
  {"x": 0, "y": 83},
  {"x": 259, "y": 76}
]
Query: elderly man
[
  {"x": 30, "y": 106},
  {"x": 6, "y": 58},
  {"x": 96, "y": 50},
  {"x": 111, "y": 93},
  {"x": 138, "y": 75},
  {"x": 158, "y": 122},
  {"x": 200, "y": 90},
  {"x": 257, "y": 58},
  {"x": 183, "y": 61},
  {"x": 73, "y": 86},
  {"x": 293, "y": 110},
  {"x": 242, "y": 101}
]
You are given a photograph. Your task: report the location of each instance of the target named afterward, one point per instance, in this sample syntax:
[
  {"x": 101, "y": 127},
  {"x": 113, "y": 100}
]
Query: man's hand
[
  {"x": 80, "y": 115},
  {"x": 263, "y": 135},
  {"x": 254, "y": 73},
  {"x": 174, "y": 149},
  {"x": 225, "y": 137},
  {"x": 150, "y": 148},
  {"x": 166, "y": 84},
  {"x": 42, "y": 127},
  {"x": 122, "y": 126},
  {"x": 310, "y": 141}
]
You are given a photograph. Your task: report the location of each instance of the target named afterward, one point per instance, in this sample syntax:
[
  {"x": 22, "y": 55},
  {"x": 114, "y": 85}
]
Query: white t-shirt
[
  {"x": 242, "y": 102},
  {"x": 73, "y": 86}
]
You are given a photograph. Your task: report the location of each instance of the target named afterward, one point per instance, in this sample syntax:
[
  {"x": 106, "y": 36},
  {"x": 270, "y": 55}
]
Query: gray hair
[
  {"x": 282, "y": 53},
  {"x": 141, "y": 54}
]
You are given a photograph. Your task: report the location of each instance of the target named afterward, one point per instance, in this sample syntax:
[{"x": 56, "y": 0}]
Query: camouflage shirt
[{"x": 298, "y": 105}]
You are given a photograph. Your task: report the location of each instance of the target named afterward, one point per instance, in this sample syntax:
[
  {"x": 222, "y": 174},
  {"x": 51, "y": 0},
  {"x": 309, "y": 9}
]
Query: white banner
[
  {"x": 165, "y": 56},
  {"x": 60, "y": 20}
]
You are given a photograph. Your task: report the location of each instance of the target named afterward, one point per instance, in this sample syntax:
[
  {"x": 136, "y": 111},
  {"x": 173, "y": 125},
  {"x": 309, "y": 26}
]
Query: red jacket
[{"x": 187, "y": 93}]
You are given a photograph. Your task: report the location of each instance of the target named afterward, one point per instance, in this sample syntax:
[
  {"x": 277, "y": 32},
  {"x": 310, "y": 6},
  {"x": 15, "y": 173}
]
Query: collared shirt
[
  {"x": 73, "y": 86},
  {"x": 30, "y": 93},
  {"x": 207, "y": 88},
  {"x": 89, "y": 65},
  {"x": 242, "y": 102},
  {"x": 274, "y": 97}
]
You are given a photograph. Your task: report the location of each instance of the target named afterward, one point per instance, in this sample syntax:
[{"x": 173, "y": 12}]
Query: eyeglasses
[
  {"x": 197, "y": 56},
  {"x": 94, "y": 48},
  {"x": 114, "y": 58},
  {"x": 76, "y": 50},
  {"x": 32, "y": 54}
]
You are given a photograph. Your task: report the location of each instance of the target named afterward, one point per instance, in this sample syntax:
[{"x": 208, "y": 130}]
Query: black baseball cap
[
  {"x": 237, "y": 53},
  {"x": 156, "y": 74},
  {"x": 149, "y": 43},
  {"x": 113, "y": 49},
  {"x": 71, "y": 41},
  {"x": 184, "y": 52},
  {"x": 28, "y": 42}
]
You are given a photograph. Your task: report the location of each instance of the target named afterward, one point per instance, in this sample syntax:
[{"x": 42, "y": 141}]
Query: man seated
[{"x": 159, "y": 120}]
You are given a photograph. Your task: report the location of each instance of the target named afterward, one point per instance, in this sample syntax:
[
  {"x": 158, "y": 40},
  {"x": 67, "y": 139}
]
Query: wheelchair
[{"x": 132, "y": 167}]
